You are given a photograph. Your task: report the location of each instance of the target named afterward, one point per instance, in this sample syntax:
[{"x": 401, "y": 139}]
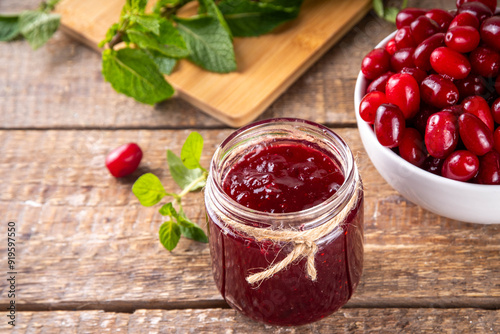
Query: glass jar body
[{"x": 290, "y": 297}]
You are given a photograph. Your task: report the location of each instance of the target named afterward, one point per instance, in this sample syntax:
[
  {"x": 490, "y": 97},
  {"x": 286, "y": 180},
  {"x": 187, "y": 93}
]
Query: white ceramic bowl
[{"x": 462, "y": 201}]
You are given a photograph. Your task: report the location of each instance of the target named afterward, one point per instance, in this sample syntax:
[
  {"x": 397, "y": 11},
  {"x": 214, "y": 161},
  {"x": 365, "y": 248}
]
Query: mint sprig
[
  {"x": 189, "y": 175},
  {"x": 387, "y": 13},
  {"x": 36, "y": 26}
]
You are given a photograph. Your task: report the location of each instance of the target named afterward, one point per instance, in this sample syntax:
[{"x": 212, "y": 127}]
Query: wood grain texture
[
  {"x": 267, "y": 65},
  {"x": 85, "y": 240},
  {"x": 229, "y": 321},
  {"x": 61, "y": 86}
]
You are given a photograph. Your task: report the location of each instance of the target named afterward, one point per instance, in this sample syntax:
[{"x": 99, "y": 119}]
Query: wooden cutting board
[{"x": 267, "y": 65}]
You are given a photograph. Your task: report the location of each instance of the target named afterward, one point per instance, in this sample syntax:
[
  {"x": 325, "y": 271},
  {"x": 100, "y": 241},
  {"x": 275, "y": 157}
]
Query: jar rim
[{"x": 331, "y": 206}]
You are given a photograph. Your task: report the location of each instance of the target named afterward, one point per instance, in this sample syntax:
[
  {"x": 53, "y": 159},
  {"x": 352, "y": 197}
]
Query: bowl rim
[{"x": 361, "y": 83}]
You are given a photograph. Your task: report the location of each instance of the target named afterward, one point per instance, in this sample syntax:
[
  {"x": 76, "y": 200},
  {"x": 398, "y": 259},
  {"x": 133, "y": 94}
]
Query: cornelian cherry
[
  {"x": 441, "y": 134},
  {"x": 491, "y": 4},
  {"x": 464, "y": 19},
  {"x": 124, "y": 160},
  {"x": 495, "y": 112},
  {"x": 490, "y": 32},
  {"x": 462, "y": 39},
  {"x": 389, "y": 125},
  {"x": 478, "y": 106},
  {"x": 375, "y": 63},
  {"x": 412, "y": 147},
  {"x": 489, "y": 168},
  {"x": 379, "y": 83},
  {"x": 461, "y": 165},
  {"x": 407, "y": 15},
  {"x": 442, "y": 17},
  {"x": 421, "y": 55},
  {"x": 475, "y": 135},
  {"x": 369, "y": 104},
  {"x": 438, "y": 91},
  {"x": 496, "y": 139},
  {"x": 449, "y": 62},
  {"x": 402, "y": 90}
]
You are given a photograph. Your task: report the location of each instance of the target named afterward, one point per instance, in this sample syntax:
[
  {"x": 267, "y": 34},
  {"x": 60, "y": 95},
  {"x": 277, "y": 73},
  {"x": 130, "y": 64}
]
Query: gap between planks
[{"x": 119, "y": 306}]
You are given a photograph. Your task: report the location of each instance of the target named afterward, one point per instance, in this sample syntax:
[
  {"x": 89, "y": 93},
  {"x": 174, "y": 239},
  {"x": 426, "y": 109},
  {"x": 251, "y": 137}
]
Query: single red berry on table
[
  {"x": 441, "y": 134},
  {"x": 489, "y": 168},
  {"x": 402, "y": 90},
  {"x": 438, "y": 91},
  {"x": 464, "y": 19},
  {"x": 124, "y": 160},
  {"x": 461, "y": 165},
  {"x": 478, "y": 106},
  {"x": 389, "y": 125},
  {"x": 475, "y": 135}
]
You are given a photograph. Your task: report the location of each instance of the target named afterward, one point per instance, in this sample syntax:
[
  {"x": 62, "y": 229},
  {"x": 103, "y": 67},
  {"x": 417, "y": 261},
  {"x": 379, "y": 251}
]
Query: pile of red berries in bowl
[{"x": 428, "y": 109}]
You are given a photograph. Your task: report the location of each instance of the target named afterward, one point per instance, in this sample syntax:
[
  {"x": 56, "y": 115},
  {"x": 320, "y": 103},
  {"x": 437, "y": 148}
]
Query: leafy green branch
[
  {"x": 189, "y": 175},
  {"x": 387, "y": 13},
  {"x": 36, "y": 26}
]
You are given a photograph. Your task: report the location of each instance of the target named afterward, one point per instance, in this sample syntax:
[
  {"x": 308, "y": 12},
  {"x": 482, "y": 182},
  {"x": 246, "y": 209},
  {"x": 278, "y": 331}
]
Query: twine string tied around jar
[{"x": 304, "y": 241}]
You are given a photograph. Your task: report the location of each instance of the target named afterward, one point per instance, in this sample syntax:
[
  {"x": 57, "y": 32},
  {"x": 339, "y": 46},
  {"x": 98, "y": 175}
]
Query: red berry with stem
[
  {"x": 375, "y": 63},
  {"x": 412, "y": 147},
  {"x": 449, "y": 62},
  {"x": 124, "y": 160},
  {"x": 389, "y": 125},
  {"x": 369, "y": 105},
  {"x": 438, "y": 91},
  {"x": 475, "y": 135},
  {"x": 441, "y": 134},
  {"x": 461, "y": 165}
]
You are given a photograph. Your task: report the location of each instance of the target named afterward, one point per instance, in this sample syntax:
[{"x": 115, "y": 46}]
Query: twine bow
[{"x": 304, "y": 241}]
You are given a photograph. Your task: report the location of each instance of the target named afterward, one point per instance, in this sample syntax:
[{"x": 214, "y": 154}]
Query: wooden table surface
[{"x": 88, "y": 256}]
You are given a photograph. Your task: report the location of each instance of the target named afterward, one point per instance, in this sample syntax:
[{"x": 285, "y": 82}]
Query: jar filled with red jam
[{"x": 284, "y": 207}]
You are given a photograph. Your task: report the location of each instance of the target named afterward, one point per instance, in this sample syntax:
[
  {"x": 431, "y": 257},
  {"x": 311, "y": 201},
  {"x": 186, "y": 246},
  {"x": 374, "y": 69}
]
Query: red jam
[
  {"x": 283, "y": 178},
  {"x": 286, "y": 177}
]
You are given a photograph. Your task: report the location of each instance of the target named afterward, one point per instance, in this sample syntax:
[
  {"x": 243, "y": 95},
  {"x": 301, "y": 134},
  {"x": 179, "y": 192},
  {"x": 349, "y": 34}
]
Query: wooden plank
[
  {"x": 228, "y": 321},
  {"x": 85, "y": 239},
  {"x": 266, "y": 65}
]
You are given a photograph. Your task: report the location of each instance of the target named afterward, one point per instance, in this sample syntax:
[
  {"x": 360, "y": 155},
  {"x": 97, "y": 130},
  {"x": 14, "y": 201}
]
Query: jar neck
[{"x": 275, "y": 131}]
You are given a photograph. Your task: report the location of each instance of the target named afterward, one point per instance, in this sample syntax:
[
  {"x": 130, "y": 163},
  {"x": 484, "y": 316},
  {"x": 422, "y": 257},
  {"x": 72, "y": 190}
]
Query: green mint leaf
[
  {"x": 170, "y": 234},
  {"x": 390, "y": 14},
  {"x": 165, "y": 64},
  {"x": 378, "y": 7},
  {"x": 137, "y": 5},
  {"x": 249, "y": 18},
  {"x": 210, "y": 45},
  {"x": 169, "y": 210},
  {"x": 148, "y": 22},
  {"x": 149, "y": 41},
  {"x": 148, "y": 189},
  {"x": 191, "y": 150},
  {"x": 109, "y": 34},
  {"x": 209, "y": 7},
  {"x": 404, "y": 4},
  {"x": 133, "y": 73},
  {"x": 38, "y": 27},
  {"x": 164, "y": 3},
  {"x": 192, "y": 231},
  {"x": 182, "y": 175},
  {"x": 9, "y": 27}
]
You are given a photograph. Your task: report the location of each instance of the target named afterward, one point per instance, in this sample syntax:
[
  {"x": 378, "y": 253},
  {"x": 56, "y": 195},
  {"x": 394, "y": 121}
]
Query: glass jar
[{"x": 291, "y": 296}]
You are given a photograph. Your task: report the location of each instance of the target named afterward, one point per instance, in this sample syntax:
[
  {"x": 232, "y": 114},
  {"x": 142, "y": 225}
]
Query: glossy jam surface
[
  {"x": 283, "y": 178},
  {"x": 303, "y": 177}
]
